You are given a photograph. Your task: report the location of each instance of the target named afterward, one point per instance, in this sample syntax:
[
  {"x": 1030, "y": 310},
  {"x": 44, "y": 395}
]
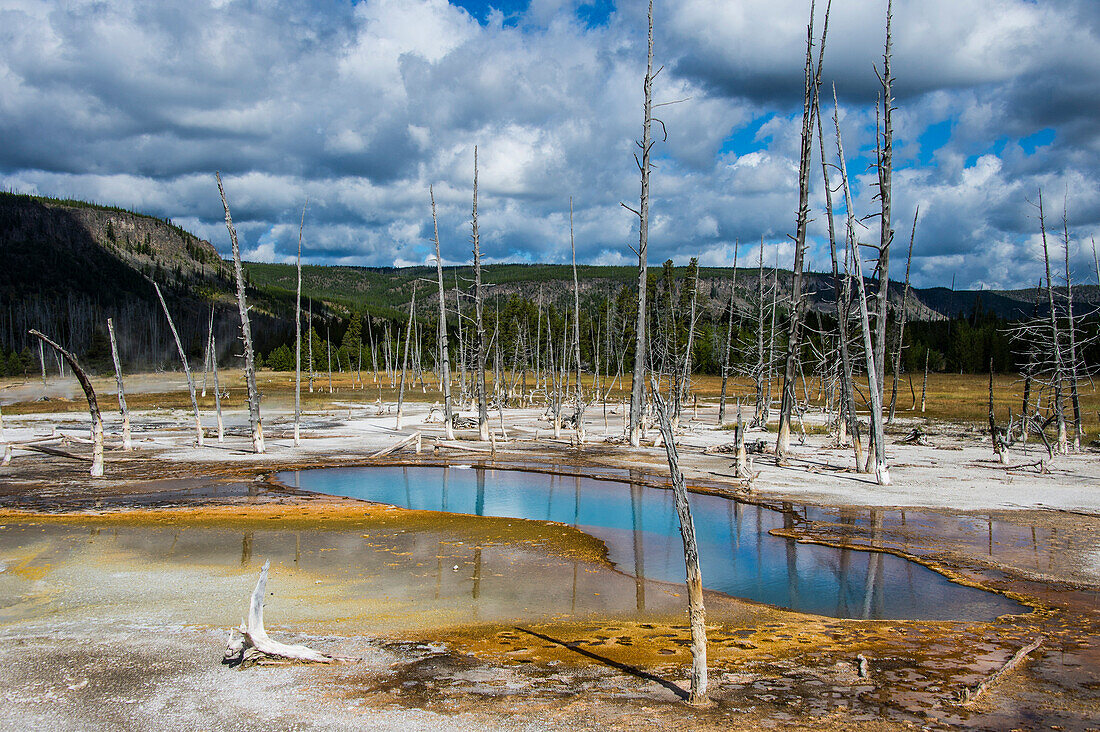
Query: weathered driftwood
[
  {"x": 93, "y": 404},
  {"x": 186, "y": 366},
  {"x": 969, "y": 696},
  {"x": 126, "y": 441},
  {"x": 251, "y": 643},
  {"x": 413, "y": 439},
  {"x": 246, "y": 330}
]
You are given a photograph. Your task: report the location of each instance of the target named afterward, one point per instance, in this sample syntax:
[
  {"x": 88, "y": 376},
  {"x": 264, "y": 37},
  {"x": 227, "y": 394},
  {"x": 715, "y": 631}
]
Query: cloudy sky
[{"x": 359, "y": 107}]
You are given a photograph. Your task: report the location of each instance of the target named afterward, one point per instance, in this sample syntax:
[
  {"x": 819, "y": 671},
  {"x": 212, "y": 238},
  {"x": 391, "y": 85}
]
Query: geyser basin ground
[{"x": 640, "y": 528}]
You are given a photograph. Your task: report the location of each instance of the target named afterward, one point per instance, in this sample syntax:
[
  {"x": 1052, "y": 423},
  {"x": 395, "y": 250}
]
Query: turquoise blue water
[{"x": 640, "y": 527}]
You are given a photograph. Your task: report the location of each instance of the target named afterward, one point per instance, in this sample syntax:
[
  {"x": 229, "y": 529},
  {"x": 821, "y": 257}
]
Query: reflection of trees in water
[
  {"x": 792, "y": 557},
  {"x": 246, "y": 548},
  {"x": 639, "y": 545},
  {"x": 479, "y": 503}
]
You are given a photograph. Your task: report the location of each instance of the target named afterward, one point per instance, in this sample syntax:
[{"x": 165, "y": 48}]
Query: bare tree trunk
[
  {"x": 328, "y": 350},
  {"x": 901, "y": 320},
  {"x": 443, "y": 353},
  {"x": 998, "y": 446},
  {"x": 924, "y": 384},
  {"x": 93, "y": 405},
  {"x": 298, "y": 338},
  {"x": 685, "y": 378},
  {"x": 1072, "y": 331},
  {"x": 842, "y": 294},
  {"x": 186, "y": 366},
  {"x": 126, "y": 442},
  {"x": 637, "y": 390},
  {"x": 759, "y": 418},
  {"x": 1059, "y": 368},
  {"x": 578, "y": 415},
  {"x": 461, "y": 346},
  {"x": 794, "y": 327},
  {"x": 479, "y": 333},
  {"x": 696, "y": 611},
  {"x": 206, "y": 356},
  {"x": 885, "y": 185},
  {"x": 310, "y": 339},
  {"x": 881, "y": 470},
  {"x": 729, "y": 340},
  {"x": 217, "y": 386},
  {"x": 405, "y": 359},
  {"x": 246, "y": 331},
  {"x": 538, "y": 346},
  {"x": 42, "y": 360}
]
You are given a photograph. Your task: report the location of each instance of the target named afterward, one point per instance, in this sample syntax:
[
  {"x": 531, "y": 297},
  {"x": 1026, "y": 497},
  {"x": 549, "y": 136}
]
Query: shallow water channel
[{"x": 641, "y": 530}]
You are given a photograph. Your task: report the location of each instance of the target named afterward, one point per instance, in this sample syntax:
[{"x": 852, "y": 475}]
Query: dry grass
[{"x": 951, "y": 397}]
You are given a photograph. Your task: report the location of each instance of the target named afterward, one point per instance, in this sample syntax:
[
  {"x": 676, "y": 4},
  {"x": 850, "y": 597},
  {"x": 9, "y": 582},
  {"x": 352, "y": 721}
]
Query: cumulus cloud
[{"x": 360, "y": 107}]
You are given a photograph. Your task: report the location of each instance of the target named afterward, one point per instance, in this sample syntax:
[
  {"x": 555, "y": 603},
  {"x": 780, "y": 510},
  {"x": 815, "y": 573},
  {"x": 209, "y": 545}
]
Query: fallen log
[
  {"x": 411, "y": 439},
  {"x": 250, "y": 642},
  {"x": 461, "y": 446},
  {"x": 50, "y": 451},
  {"x": 969, "y": 696}
]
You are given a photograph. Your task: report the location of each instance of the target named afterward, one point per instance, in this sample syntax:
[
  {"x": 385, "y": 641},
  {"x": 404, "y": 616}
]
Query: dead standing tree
[
  {"x": 578, "y": 417},
  {"x": 186, "y": 366},
  {"x": 637, "y": 390},
  {"x": 246, "y": 331},
  {"x": 479, "y": 332},
  {"x": 127, "y": 444},
  {"x": 93, "y": 404},
  {"x": 298, "y": 337},
  {"x": 885, "y": 187},
  {"x": 405, "y": 359},
  {"x": 901, "y": 321},
  {"x": 794, "y": 328},
  {"x": 444, "y": 356},
  {"x": 729, "y": 342}
]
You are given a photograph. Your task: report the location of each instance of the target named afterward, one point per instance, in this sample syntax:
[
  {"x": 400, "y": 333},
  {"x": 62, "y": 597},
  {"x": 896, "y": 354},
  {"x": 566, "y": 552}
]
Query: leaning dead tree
[
  {"x": 637, "y": 390},
  {"x": 479, "y": 332},
  {"x": 696, "y": 611},
  {"x": 126, "y": 442},
  {"x": 89, "y": 393},
  {"x": 444, "y": 356},
  {"x": 794, "y": 328},
  {"x": 879, "y": 456},
  {"x": 842, "y": 293},
  {"x": 251, "y": 643},
  {"x": 246, "y": 331},
  {"x": 186, "y": 366}
]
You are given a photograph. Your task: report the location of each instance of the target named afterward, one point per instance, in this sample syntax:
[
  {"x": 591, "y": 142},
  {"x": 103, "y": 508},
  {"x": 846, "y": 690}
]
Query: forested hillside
[{"x": 69, "y": 265}]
